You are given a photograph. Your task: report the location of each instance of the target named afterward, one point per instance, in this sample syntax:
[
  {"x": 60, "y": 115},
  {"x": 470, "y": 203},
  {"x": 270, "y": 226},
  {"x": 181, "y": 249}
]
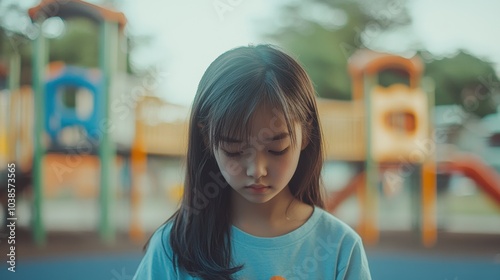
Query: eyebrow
[{"x": 276, "y": 137}]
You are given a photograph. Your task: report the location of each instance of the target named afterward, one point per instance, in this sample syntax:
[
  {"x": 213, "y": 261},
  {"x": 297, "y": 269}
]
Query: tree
[
  {"x": 466, "y": 80},
  {"x": 79, "y": 44}
]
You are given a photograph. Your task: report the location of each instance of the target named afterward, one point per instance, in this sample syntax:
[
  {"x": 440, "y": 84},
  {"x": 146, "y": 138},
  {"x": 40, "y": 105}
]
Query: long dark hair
[{"x": 232, "y": 88}]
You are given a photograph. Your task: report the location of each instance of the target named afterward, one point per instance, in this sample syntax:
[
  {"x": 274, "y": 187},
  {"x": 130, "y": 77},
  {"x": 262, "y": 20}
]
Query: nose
[{"x": 257, "y": 166}]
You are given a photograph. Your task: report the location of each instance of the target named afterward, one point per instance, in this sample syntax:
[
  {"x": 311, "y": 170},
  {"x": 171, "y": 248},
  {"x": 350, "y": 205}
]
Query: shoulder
[
  {"x": 157, "y": 261},
  {"x": 328, "y": 223},
  {"x": 160, "y": 237},
  {"x": 341, "y": 239},
  {"x": 335, "y": 232}
]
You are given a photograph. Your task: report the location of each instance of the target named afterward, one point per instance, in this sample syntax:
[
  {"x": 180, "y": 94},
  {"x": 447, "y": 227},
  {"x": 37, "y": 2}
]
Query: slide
[{"x": 475, "y": 168}]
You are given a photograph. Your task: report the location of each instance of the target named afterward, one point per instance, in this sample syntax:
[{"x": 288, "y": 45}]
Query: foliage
[
  {"x": 79, "y": 45},
  {"x": 323, "y": 51},
  {"x": 323, "y": 47},
  {"x": 467, "y": 80}
]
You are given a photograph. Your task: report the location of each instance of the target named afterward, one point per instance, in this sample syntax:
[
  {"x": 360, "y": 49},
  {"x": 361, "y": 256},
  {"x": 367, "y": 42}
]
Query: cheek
[
  {"x": 232, "y": 167},
  {"x": 229, "y": 167},
  {"x": 284, "y": 168},
  {"x": 293, "y": 164}
]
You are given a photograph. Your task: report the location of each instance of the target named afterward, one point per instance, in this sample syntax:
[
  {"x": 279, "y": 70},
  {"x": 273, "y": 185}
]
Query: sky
[
  {"x": 187, "y": 35},
  {"x": 190, "y": 34},
  {"x": 453, "y": 24}
]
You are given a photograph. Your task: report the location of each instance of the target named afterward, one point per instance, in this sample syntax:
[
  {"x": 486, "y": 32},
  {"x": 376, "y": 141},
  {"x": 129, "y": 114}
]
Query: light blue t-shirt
[{"x": 322, "y": 248}]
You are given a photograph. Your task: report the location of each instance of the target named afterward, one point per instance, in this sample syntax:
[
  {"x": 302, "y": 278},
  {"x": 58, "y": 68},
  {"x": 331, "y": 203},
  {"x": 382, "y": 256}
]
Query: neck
[{"x": 278, "y": 216}]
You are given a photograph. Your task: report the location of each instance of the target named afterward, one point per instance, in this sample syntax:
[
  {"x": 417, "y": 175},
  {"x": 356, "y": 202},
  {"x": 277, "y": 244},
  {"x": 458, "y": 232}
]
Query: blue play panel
[{"x": 383, "y": 266}]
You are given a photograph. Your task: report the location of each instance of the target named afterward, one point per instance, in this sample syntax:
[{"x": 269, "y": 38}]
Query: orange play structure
[
  {"x": 158, "y": 131},
  {"x": 381, "y": 127},
  {"x": 388, "y": 128},
  {"x": 161, "y": 127}
]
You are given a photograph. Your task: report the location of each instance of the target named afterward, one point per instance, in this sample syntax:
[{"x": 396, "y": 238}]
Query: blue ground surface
[
  {"x": 406, "y": 267},
  {"x": 384, "y": 266}
]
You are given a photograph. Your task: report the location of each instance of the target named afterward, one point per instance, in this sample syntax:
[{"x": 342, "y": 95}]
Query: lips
[{"x": 257, "y": 187}]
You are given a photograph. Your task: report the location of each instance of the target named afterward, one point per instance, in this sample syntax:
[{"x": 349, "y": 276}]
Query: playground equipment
[
  {"x": 65, "y": 130},
  {"x": 156, "y": 121},
  {"x": 16, "y": 126},
  {"x": 17, "y": 129},
  {"x": 111, "y": 25},
  {"x": 475, "y": 168},
  {"x": 389, "y": 129},
  {"x": 85, "y": 85},
  {"x": 384, "y": 127},
  {"x": 12, "y": 101},
  {"x": 343, "y": 125}
]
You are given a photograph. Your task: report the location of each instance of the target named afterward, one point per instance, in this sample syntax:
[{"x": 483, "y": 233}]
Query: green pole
[
  {"x": 39, "y": 60},
  {"x": 108, "y": 34},
  {"x": 372, "y": 168},
  {"x": 14, "y": 71},
  {"x": 414, "y": 184}
]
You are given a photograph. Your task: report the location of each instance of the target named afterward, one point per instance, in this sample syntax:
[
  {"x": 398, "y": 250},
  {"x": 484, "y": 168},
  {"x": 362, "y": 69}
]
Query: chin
[{"x": 257, "y": 198}]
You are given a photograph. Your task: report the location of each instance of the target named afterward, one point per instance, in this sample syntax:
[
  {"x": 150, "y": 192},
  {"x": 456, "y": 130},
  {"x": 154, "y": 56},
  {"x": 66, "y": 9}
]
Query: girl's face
[{"x": 262, "y": 167}]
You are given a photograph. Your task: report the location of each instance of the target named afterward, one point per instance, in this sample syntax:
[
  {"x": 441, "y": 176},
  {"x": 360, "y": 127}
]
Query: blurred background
[{"x": 95, "y": 98}]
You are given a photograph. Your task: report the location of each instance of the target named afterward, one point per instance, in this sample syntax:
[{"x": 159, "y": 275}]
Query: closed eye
[
  {"x": 229, "y": 154},
  {"x": 279, "y": 153},
  {"x": 237, "y": 154}
]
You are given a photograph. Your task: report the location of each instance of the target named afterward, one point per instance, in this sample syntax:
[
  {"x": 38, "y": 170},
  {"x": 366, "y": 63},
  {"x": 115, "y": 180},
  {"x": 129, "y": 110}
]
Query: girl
[{"x": 252, "y": 206}]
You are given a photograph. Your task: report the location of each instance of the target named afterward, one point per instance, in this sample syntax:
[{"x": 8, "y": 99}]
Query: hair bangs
[
  {"x": 231, "y": 119},
  {"x": 275, "y": 98},
  {"x": 230, "y": 123}
]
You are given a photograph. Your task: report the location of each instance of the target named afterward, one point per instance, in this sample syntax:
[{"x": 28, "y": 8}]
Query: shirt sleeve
[
  {"x": 356, "y": 267},
  {"x": 157, "y": 262}
]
